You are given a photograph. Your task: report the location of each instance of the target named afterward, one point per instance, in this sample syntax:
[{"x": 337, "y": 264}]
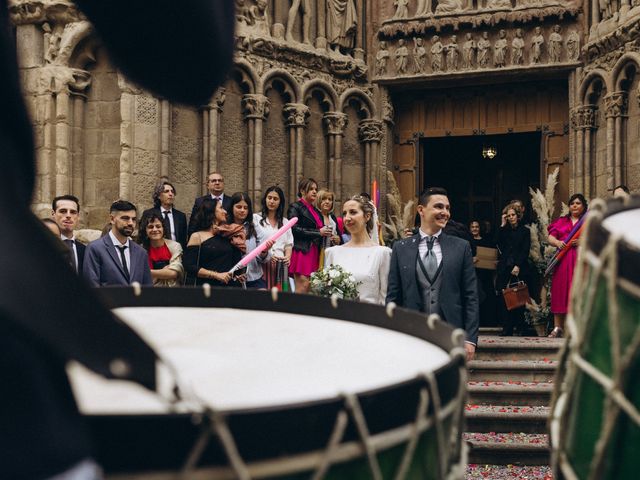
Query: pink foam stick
[{"x": 262, "y": 247}]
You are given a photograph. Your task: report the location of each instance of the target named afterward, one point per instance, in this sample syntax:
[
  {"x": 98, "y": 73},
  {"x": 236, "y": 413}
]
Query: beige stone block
[
  {"x": 93, "y": 141},
  {"x": 108, "y": 114},
  {"x": 107, "y": 192},
  {"x": 106, "y": 86},
  {"x": 90, "y": 114},
  {"x": 107, "y": 167},
  {"x": 146, "y": 137},
  {"x": 111, "y": 141},
  {"x": 30, "y": 46},
  {"x": 62, "y": 162},
  {"x": 62, "y": 135}
]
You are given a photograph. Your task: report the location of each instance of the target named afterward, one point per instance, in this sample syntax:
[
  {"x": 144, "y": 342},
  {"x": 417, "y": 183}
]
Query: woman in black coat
[
  {"x": 307, "y": 234},
  {"x": 514, "y": 242}
]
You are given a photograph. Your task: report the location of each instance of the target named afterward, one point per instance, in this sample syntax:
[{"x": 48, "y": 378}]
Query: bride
[{"x": 367, "y": 261}]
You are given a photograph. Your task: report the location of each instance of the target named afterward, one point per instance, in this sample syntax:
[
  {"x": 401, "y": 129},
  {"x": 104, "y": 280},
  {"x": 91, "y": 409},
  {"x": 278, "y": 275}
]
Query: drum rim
[
  {"x": 410, "y": 322},
  {"x": 598, "y": 236}
]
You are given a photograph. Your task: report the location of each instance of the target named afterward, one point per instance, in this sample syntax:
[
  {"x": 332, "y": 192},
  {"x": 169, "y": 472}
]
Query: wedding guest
[
  {"x": 267, "y": 223},
  {"x": 165, "y": 255},
  {"x": 308, "y": 234},
  {"x": 563, "y": 273},
  {"x": 324, "y": 203},
  {"x": 514, "y": 241},
  {"x": 214, "y": 248},
  {"x": 367, "y": 261},
  {"x": 242, "y": 214}
]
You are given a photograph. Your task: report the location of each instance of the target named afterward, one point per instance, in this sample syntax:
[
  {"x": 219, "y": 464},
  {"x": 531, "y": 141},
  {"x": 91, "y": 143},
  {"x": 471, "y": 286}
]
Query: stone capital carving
[
  {"x": 336, "y": 122},
  {"x": 256, "y": 106},
  {"x": 583, "y": 117},
  {"x": 23, "y": 12},
  {"x": 616, "y": 104},
  {"x": 57, "y": 79},
  {"x": 219, "y": 98},
  {"x": 370, "y": 131},
  {"x": 296, "y": 114},
  {"x": 126, "y": 86}
]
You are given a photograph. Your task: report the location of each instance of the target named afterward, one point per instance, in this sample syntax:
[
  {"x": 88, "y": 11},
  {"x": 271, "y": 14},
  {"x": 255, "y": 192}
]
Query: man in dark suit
[
  {"x": 115, "y": 259},
  {"x": 433, "y": 272},
  {"x": 65, "y": 211},
  {"x": 215, "y": 184},
  {"x": 175, "y": 221}
]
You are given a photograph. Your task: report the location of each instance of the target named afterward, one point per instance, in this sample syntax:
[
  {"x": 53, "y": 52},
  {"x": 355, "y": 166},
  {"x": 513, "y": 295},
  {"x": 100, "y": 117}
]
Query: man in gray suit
[
  {"x": 115, "y": 259},
  {"x": 433, "y": 272}
]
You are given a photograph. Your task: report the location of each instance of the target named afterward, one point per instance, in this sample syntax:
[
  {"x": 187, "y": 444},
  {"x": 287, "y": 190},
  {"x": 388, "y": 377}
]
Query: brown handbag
[{"x": 516, "y": 295}]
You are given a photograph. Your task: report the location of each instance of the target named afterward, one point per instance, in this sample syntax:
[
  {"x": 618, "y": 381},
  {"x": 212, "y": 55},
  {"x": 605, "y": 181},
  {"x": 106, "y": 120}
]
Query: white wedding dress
[{"x": 369, "y": 265}]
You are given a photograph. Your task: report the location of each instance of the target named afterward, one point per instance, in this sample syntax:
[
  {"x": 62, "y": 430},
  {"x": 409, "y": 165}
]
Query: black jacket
[
  {"x": 513, "y": 245},
  {"x": 226, "y": 204},
  {"x": 305, "y": 232}
]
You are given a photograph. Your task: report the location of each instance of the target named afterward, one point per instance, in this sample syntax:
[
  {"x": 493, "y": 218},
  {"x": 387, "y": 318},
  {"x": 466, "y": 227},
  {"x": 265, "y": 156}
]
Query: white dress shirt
[
  {"x": 437, "y": 249},
  {"x": 172, "y": 225},
  {"x": 127, "y": 256}
]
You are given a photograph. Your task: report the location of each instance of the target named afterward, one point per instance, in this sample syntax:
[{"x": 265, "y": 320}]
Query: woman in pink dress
[
  {"x": 563, "y": 274},
  {"x": 308, "y": 234}
]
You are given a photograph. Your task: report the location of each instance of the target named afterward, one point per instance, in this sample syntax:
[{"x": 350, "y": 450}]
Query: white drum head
[
  {"x": 244, "y": 359},
  {"x": 626, "y": 224}
]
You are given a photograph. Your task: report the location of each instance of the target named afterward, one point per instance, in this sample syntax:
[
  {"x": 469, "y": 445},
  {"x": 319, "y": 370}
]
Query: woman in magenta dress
[
  {"x": 563, "y": 274},
  {"x": 307, "y": 234}
]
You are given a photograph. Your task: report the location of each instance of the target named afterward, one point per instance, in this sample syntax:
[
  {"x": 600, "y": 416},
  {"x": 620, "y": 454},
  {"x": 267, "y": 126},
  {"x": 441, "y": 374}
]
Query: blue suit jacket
[
  {"x": 102, "y": 264},
  {"x": 458, "y": 293}
]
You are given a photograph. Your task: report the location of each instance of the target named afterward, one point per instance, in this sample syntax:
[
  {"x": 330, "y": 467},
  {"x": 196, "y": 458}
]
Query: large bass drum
[
  {"x": 595, "y": 429},
  {"x": 284, "y": 386}
]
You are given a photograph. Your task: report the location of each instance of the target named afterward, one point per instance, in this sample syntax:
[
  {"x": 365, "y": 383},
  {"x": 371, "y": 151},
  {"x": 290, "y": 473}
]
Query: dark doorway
[{"x": 480, "y": 187}]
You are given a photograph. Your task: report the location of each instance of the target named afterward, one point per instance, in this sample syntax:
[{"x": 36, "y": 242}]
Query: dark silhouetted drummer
[
  {"x": 433, "y": 272},
  {"x": 179, "y": 50}
]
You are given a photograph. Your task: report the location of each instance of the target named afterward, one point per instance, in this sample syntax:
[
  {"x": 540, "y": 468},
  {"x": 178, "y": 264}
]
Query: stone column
[
  {"x": 335, "y": 123},
  {"x": 165, "y": 136},
  {"x": 256, "y": 108},
  {"x": 321, "y": 24},
  {"x": 616, "y": 105},
  {"x": 595, "y": 13},
  {"x": 370, "y": 133},
  {"x": 127, "y": 116},
  {"x": 296, "y": 116},
  {"x": 625, "y": 6},
  {"x": 583, "y": 121},
  {"x": 211, "y": 132}
]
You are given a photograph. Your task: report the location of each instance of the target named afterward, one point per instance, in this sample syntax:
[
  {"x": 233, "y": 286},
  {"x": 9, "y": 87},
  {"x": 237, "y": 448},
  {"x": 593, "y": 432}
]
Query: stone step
[
  {"x": 508, "y": 448},
  {"x": 490, "y": 330},
  {"x": 505, "y": 419},
  {"x": 510, "y": 393},
  {"x": 517, "y": 348},
  {"x": 503, "y": 472},
  {"x": 512, "y": 370}
]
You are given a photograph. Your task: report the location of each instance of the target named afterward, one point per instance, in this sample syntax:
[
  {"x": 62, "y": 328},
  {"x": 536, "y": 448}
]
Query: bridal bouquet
[{"x": 334, "y": 280}]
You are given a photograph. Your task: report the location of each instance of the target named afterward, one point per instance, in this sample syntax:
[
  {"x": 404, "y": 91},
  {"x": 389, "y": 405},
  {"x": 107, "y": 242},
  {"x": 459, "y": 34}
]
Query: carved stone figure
[
  {"x": 260, "y": 18},
  {"x": 573, "y": 46},
  {"x": 555, "y": 45},
  {"x": 517, "y": 48},
  {"x": 449, "y": 6},
  {"x": 500, "y": 50},
  {"x": 382, "y": 59},
  {"x": 453, "y": 54},
  {"x": 51, "y": 43},
  {"x": 424, "y": 8},
  {"x": 469, "y": 52},
  {"x": 606, "y": 8},
  {"x": 242, "y": 13},
  {"x": 419, "y": 56},
  {"x": 493, "y": 4},
  {"x": 437, "y": 50},
  {"x": 306, "y": 8},
  {"x": 342, "y": 24},
  {"x": 401, "y": 56},
  {"x": 537, "y": 44},
  {"x": 529, "y": 3},
  {"x": 402, "y": 9},
  {"x": 483, "y": 50}
]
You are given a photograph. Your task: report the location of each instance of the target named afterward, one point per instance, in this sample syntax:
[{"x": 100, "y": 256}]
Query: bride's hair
[{"x": 367, "y": 208}]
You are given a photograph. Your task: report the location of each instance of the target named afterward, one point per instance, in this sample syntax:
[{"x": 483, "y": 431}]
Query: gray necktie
[{"x": 430, "y": 260}]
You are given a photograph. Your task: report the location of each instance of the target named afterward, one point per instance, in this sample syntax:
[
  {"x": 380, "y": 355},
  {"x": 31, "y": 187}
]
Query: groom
[{"x": 433, "y": 272}]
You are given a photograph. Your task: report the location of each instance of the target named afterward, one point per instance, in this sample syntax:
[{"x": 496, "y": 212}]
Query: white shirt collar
[
  {"x": 423, "y": 235},
  {"x": 169, "y": 210},
  {"x": 116, "y": 242},
  {"x": 73, "y": 237}
]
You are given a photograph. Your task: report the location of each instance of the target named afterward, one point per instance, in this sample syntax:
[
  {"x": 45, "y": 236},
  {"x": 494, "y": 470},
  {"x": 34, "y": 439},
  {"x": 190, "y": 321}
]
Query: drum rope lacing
[{"x": 603, "y": 265}]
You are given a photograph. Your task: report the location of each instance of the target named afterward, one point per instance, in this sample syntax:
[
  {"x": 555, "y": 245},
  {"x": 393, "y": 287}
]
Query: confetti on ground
[
  {"x": 533, "y": 439},
  {"x": 504, "y": 472},
  {"x": 508, "y": 409}
]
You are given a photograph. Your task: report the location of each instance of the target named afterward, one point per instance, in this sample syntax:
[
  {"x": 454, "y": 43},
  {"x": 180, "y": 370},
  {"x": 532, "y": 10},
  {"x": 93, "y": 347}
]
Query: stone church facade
[{"x": 342, "y": 91}]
